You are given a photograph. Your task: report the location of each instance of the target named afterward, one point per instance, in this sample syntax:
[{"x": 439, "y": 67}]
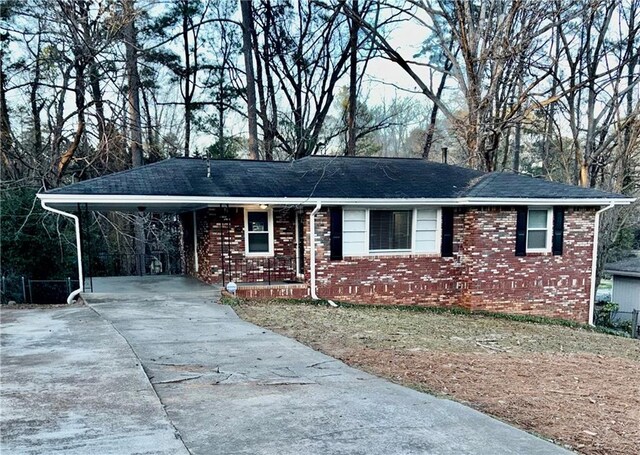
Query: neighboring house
[
  {"x": 625, "y": 285},
  {"x": 371, "y": 230}
]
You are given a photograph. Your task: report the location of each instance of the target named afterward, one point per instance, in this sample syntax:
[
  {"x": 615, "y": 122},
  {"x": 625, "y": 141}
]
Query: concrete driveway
[
  {"x": 230, "y": 387},
  {"x": 72, "y": 385}
]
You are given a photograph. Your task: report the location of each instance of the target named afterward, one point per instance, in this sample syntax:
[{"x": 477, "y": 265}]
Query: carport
[{"x": 74, "y": 206}]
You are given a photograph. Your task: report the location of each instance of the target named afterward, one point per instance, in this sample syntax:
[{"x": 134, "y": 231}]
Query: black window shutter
[
  {"x": 335, "y": 214},
  {"x": 446, "y": 246},
  {"x": 558, "y": 231},
  {"x": 521, "y": 231}
]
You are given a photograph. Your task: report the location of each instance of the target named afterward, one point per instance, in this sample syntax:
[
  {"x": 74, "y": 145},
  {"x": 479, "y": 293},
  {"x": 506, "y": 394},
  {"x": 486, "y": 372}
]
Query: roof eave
[
  {"x": 622, "y": 273},
  {"x": 150, "y": 200}
]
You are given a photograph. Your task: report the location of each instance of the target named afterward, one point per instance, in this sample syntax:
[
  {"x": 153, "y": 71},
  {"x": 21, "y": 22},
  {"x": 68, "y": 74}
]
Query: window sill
[
  {"x": 258, "y": 255},
  {"x": 398, "y": 254},
  {"x": 538, "y": 252}
]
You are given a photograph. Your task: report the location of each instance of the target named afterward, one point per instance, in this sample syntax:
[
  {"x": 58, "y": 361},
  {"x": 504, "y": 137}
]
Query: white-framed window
[
  {"x": 258, "y": 232},
  {"x": 374, "y": 231},
  {"x": 539, "y": 221},
  {"x": 390, "y": 230}
]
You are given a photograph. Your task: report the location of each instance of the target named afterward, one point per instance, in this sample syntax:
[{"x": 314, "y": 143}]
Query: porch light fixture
[{"x": 264, "y": 206}]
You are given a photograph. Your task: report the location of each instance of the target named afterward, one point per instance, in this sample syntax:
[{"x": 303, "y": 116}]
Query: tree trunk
[
  {"x": 135, "y": 122},
  {"x": 267, "y": 135},
  {"x": 36, "y": 107},
  {"x": 6, "y": 135},
  {"x": 353, "y": 81},
  {"x": 517, "y": 143},
  {"x": 152, "y": 135},
  {"x": 433, "y": 118},
  {"x": 247, "y": 27},
  {"x": 133, "y": 82},
  {"x": 79, "y": 90},
  {"x": 96, "y": 94},
  {"x": 187, "y": 95}
]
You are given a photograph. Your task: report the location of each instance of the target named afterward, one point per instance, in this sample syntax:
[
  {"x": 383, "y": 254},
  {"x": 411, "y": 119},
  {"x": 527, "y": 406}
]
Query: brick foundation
[{"x": 275, "y": 291}]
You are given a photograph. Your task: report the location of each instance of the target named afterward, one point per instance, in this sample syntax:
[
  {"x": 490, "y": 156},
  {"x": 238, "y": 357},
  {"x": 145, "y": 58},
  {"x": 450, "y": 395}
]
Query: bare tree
[
  {"x": 354, "y": 22},
  {"x": 247, "y": 51},
  {"x": 133, "y": 83}
]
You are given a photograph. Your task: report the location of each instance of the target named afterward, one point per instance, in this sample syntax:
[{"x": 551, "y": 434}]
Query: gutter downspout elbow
[
  {"x": 312, "y": 244},
  {"x": 75, "y": 293},
  {"x": 594, "y": 260}
]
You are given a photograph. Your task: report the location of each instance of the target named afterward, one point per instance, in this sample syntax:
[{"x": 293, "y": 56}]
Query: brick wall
[
  {"x": 393, "y": 279},
  {"x": 221, "y": 242},
  {"x": 538, "y": 283},
  {"x": 483, "y": 274}
]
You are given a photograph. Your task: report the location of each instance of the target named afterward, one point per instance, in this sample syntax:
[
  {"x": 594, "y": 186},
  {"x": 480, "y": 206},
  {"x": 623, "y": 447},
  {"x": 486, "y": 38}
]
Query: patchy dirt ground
[{"x": 576, "y": 387}]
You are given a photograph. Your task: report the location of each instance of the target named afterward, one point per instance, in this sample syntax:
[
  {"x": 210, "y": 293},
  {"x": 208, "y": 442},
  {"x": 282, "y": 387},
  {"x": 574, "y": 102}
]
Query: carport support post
[
  {"x": 85, "y": 240},
  {"x": 88, "y": 245}
]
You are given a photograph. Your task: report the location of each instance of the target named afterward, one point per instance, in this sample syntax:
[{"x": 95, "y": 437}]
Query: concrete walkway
[{"x": 230, "y": 387}]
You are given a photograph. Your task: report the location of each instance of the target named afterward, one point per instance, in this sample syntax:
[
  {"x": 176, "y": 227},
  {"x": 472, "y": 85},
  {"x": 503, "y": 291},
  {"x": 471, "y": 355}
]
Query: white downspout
[
  {"x": 78, "y": 249},
  {"x": 312, "y": 258},
  {"x": 594, "y": 261},
  {"x": 312, "y": 245}
]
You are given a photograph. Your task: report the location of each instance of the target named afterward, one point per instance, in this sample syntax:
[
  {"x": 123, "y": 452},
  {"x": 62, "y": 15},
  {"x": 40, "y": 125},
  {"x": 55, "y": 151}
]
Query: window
[
  {"x": 539, "y": 230},
  {"x": 389, "y": 230},
  {"x": 373, "y": 231},
  {"x": 259, "y": 232}
]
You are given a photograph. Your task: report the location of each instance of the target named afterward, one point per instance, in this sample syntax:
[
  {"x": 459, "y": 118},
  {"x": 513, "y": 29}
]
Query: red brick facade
[
  {"x": 221, "y": 246},
  {"x": 483, "y": 274}
]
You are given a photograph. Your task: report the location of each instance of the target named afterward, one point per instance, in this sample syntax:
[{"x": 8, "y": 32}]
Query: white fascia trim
[{"x": 149, "y": 201}]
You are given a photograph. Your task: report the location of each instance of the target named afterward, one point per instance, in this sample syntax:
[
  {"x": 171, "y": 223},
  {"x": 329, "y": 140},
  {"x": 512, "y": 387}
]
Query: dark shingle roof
[
  {"x": 324, "y": 177},
  {"x": 628, "y": 265}
]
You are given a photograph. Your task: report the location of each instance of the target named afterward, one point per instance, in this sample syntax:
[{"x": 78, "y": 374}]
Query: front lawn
[{"x": 577, "y": 387}]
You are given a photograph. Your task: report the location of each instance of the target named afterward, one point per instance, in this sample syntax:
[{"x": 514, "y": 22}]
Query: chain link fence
[{"x": 20, "y": 289}]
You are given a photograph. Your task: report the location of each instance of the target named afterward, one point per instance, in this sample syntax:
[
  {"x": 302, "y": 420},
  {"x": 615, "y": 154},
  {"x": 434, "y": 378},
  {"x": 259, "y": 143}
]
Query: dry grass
[{"x": 577, "y": 387}]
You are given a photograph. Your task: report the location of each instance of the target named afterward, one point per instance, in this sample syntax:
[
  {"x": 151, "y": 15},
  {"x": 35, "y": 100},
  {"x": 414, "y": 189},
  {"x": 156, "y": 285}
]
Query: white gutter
[
  {"x": 312, "y": 245},
  {"x": 149, "y": 201},
  {"x": 78, "y": 249},
  {"x": 594, "y": 260}
]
